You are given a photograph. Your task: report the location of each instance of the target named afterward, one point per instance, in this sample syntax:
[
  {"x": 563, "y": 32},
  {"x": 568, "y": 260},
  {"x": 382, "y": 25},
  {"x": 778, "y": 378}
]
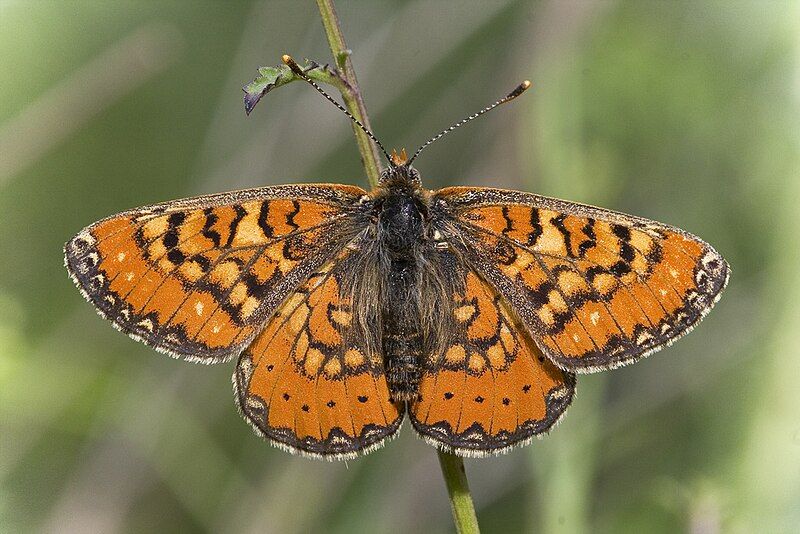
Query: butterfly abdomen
[{"x": 402, "y": 342}]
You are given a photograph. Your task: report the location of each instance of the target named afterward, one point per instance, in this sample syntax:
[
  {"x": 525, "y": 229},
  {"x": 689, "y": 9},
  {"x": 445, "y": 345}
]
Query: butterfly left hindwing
[{"x": 308, "y": 384}]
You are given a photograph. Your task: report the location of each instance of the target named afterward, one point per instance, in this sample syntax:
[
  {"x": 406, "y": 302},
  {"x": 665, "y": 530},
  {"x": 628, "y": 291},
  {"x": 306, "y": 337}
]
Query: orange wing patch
[
  {"x": 596, "y": 288},
  {"x": 306, "y": 383},
  {"x": 195, "y": 278},
  {"x": 492, "y": 389}
]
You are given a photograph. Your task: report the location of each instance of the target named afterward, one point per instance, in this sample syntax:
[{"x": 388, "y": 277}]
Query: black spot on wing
[
  {"x": 539, "y": 296},
  {"x": 620, "y": 268},
  {"x": 505, "y": 253},
  {"x": 170, "y": 239},
  {"x": 176, "y": 219},
  {"x": 622, "y": 232},
  {"x": 176, "y": 256}
]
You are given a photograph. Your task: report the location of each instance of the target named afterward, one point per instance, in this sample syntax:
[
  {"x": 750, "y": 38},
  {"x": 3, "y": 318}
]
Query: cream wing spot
[
  {"x": 465, "y": 313},
  {"x": 455, "y": 355}
]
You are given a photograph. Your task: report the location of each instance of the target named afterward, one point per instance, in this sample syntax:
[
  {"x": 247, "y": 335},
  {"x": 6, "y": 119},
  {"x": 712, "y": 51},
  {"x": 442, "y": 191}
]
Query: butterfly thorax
[{"x": 402, "y": 225}]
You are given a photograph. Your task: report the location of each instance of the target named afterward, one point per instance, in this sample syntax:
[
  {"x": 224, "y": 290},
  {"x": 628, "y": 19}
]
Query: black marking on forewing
[
  {"x": 240, "y": 213},
  {"x": 588, "y": 231},
  {"x": 536, "y": 226},
  {"x": 292, "y": 214},
  {"x": 626, "y": 250},
  {"x": 558, "y": 222},
  {"x": 262, "y": 220},
  {"x": 509, "y": 223},
  {"x": 211, "y": 220},
  {"x": 170, "y": 238}
]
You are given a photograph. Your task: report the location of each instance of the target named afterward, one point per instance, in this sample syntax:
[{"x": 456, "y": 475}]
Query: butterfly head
[{"x": 400, "y": 172}]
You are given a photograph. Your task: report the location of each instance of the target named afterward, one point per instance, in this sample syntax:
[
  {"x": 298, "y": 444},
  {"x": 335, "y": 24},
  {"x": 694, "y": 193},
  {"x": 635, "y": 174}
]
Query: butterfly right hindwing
[{"x": 491, "y": 388}]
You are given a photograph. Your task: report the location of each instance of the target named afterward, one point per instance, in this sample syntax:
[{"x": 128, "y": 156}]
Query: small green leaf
[{"x": 272, "y": 77}]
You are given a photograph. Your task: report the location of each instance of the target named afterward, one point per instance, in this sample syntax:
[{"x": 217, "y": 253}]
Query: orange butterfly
[{"x": 472, "y": 308}]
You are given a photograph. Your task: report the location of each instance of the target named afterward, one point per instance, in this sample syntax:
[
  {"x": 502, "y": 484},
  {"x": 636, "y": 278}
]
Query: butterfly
[{"x": 472, "y": 309}]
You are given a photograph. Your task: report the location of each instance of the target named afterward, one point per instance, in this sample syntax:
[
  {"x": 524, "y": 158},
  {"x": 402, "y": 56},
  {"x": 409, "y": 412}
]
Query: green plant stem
[
  {"x": 455, "y": 476},
  {"x": 352, "y": 96},
  {"x": 458, "y": 489}
]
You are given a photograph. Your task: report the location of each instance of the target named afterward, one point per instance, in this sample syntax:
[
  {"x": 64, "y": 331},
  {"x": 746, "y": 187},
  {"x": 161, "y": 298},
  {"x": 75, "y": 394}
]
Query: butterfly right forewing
[{"x": 595, "y": 288}]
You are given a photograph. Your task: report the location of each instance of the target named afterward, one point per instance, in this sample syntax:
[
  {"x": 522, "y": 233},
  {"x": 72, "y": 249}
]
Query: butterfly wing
[
  {"x": 307, "y": 383},
  {"x": 491, "y": 389},
  {"x": 196, "y": 278},
  {"x": 595, "y": 288}
]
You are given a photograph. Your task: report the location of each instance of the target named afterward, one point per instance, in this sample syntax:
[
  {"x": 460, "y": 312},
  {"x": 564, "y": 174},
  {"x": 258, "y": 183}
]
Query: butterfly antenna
[
  {"x": 292, "y": 64},
  {"x": 521, "y": 88}
]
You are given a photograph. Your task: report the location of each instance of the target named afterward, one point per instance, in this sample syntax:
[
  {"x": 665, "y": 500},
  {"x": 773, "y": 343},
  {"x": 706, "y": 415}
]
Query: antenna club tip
[
  {"x": 292, "y": 64},
  {"x": 526, "y": 84}
]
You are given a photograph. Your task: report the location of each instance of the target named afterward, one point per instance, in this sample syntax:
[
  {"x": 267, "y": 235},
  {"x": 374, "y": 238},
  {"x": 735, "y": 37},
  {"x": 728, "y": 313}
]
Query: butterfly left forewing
[
  {"x": 491, "y": 388},
  {"x": 595, "y": 288},
  {"x": 196, "y": 278}
]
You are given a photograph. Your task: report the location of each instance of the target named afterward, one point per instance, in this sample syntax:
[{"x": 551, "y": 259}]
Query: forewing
[
  {"x": 307, "y": 383},
  {"x": 196, "y": 278},
  {"x": 595, "y": 288},
  {"x": 491, "y": 389}
]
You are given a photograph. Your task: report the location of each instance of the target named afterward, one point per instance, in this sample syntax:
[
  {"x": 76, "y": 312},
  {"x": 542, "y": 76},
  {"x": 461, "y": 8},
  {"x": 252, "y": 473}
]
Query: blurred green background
[{"x": 684, "y": 112}]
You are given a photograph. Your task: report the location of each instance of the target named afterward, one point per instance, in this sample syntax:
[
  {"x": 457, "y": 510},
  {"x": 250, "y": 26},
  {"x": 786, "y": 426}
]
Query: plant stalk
[
  {"x": 370, "y": 157},
  {"x": 455, "y": 476},
  {"x": 458, "y": 489}
]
